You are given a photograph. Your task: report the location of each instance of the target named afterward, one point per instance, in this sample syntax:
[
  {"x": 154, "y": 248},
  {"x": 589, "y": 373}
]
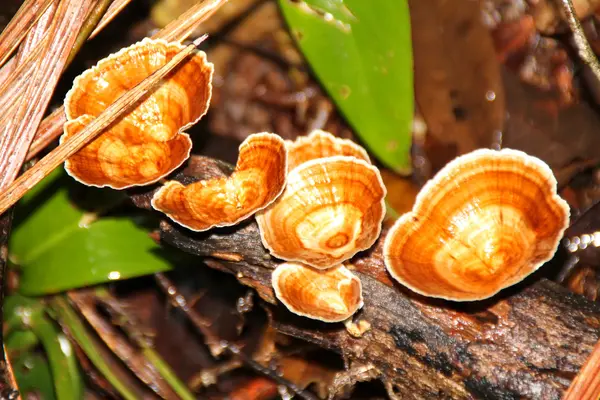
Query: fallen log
[{"x": 529, "y": 342}]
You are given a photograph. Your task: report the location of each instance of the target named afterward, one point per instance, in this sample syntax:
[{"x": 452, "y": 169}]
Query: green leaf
[
  {"x": 361, "y": 52},
  {"x": 57, "y": 250},
  {"x": 28, "y": 315},
  {"x": 21, "y": 341},
  {"x": 33, "y": 376},
  {"x": 88, "y": 344}
]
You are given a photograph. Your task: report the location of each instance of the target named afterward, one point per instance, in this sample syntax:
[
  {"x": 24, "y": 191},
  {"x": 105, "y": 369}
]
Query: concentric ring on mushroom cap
[
  {"x": 178, "y": 102},
  {"x": 258, "y": 179},
  {"x": 331, "y": 295},
  {"x": 331, "y": 209},
  {"x": 320, "y": 144},
  {"x": 486, "y": 221},
  {"x": 123, "y": 156}
]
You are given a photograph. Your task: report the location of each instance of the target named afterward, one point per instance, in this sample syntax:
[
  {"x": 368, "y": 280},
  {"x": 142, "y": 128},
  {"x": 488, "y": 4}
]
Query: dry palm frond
[
  {"x": 31, "y": 104},
  {"x": 13, "y": 34}
]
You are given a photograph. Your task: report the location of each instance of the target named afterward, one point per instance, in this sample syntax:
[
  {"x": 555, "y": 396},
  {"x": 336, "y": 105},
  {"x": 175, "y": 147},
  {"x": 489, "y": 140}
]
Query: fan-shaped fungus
[
  {"x": 123, "y": 155},
  {"x": 258, "y": 179},
  {"x": 483, "y": 223},
  {"x": 153, "y": 126},
  {"x": 331, "y": 209},
  {"x": 321, "y": 144},
  {"x": 330, "y": 295}
]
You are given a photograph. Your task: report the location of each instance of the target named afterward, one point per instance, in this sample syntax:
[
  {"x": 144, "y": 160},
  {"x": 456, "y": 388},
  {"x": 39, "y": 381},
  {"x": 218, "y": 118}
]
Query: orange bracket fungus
[
  {"x": 485, "y": 222},
  {"x": 331, "y": 295},
  {"x": 331, "y": 209},
  {"x": 321, "y": 144},
  {"x": 147, "y": 144},
  {"x": 258, "y": 179}
]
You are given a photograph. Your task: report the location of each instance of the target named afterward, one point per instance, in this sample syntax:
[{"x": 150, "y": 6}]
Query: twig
[
  {"x": 140, "y": 357},
  {"x": 57, "y": 156},
  {"x": 115, "y": 8},
  {"x": 177, "y": 30},
  {"x": 209, "y": 376},
  {"x": 94, "y": 16},
  {"x": 201, "y": 324},
  {"x": 183, "y": 26},
  {"x": 46, "y": 132},
  {"x": 583, "y": 47}
]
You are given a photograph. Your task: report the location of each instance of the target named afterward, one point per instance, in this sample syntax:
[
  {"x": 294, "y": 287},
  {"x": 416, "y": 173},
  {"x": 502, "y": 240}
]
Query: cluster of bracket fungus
[
  {"x": 332, "y": 207},
  {"x": 483, "y": 223},
  {"x": 148, "y": 143}
]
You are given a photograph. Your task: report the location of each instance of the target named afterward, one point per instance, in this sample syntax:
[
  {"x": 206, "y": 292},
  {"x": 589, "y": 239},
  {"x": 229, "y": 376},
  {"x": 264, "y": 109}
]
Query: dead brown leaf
[{"x": 458, "y": 85}]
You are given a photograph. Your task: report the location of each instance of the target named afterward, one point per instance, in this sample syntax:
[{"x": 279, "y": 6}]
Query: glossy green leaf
[
  {"x": 58, "y": 250},
  {"x": 361, "y": 52},
  {"x": 21, "y": 341},
  {"x": 33, "y": 377}
]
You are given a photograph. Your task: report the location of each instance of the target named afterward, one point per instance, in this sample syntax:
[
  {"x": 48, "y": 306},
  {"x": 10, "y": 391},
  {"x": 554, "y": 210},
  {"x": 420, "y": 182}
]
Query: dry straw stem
[
  {"x": 586, "y": 385},
  {"x": 34, "y": 175},
  {"x": 31, "y": 105},
  {"x": 17, "y": 72},
  {"x": 585, "y": 51},
  {"x": 15, "y": 31},
  {"x": 92, "y": 19},
  {"x": 11, "y": 79},
  {"x": 116, "y": 6},
  {"x": 177, "y": 30}
]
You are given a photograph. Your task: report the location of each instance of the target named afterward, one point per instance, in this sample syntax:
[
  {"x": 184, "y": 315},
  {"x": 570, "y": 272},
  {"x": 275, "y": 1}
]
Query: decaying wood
[{"x": 530, "y": 343}]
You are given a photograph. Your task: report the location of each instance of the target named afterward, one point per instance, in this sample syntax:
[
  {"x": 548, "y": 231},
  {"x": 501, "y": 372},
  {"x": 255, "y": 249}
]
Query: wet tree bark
[{"x": 529, "y": 343}]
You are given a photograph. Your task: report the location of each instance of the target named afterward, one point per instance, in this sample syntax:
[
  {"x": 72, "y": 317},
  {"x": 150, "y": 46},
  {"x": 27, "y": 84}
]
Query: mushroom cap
[
  {"x": 258, "y": 179},
  {"x": 331, "y": 209},
  {"x": 123, "y": 156},
  {"x": 180, "y": 100},
  {"x": 485, "y": 222},
  {"x": 331, "y": 295},
  {"x": 321, "y": 144}
]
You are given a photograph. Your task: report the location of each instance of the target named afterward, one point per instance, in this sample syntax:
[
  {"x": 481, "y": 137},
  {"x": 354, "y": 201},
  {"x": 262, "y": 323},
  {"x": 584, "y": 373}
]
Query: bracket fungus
[
  {"x": 331, "y": 209},
  {"x": 258, "y": 179},
  {"x": 331, "y": 295},
  {"x": 321, "y": 144},
  {"x": 152, "y": 129},
  {"x": 485, "y": 222}
]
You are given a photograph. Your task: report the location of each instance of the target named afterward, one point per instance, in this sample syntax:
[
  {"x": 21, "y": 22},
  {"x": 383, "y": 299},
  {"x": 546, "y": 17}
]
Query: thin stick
[
  {"x": 583, "y": 47},
  {"x": 202, "y": 325},
  {"x": 586, "y": 385},
  {"x": 115, "y": 8},
  {"x": 183, "y": 26},
  {"x": 47, "y": 164},
  {"x": 92, "y": 19}
]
